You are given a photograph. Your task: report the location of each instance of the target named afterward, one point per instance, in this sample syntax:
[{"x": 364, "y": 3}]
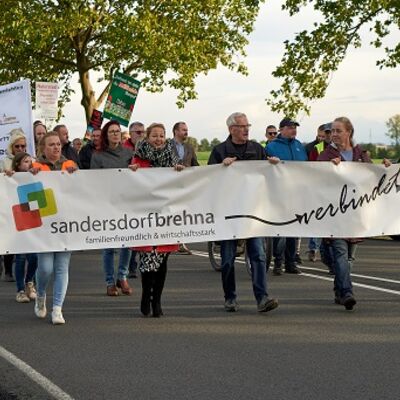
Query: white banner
[
  {"x": 56, "y": 211},
  {"x": 46, "y": 100},
  {"x": 16, "y": 112}
]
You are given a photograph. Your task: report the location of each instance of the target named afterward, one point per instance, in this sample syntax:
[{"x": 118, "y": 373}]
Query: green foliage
[
  {"x": 312, "y": 57},
  {"x": 158, "y": 42},
  {"x": 393, "y": 125},
  {"x": 193, "y": 141},
  {"x": 371, "y": 148},
  {"x": 214, "y": 142},
  {"x": 204, "y": 145}
]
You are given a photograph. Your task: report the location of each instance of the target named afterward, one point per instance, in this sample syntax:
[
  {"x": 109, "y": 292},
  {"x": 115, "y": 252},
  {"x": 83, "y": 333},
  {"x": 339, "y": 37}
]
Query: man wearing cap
[
  {"x": 238, "y": 147},
  {"x": 286, "y": 147}
]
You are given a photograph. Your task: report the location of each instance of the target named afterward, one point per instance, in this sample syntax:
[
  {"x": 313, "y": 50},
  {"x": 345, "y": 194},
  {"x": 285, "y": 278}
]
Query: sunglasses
[
  {"x": 272, "y": 133},
  {"x": 20, "y": 146}
]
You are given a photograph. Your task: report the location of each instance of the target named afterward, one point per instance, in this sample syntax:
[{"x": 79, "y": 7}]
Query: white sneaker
[
  {"x": 30, "y": 290},
  {"x": 40, "y": 307},
  {"x": 57, "y": 317},
  {"x": 22, "y": 297}
]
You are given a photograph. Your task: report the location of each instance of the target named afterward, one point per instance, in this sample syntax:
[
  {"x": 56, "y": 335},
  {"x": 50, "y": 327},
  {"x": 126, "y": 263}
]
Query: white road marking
[
  {"x": 38, "y": 378},
  {"x": 376, "y": 288},
  {"x": 374, "y": 278}
]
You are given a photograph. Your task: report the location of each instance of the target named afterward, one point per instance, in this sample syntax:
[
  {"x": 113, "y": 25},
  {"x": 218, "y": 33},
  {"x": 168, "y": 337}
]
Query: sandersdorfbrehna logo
[{"x": 35, "y": 202}]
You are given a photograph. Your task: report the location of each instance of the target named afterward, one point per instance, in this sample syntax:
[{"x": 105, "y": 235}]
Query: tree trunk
[{"x": 88, "y": 97}]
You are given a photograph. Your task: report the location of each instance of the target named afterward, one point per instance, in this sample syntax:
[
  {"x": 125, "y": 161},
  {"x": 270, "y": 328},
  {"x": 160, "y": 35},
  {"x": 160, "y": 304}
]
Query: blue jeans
[
  {"x": 284, "y": 248},
  {"x": 57, "y": 264},
  {"x": 256, "y": 254},
  {"x": 342, "y": 264},
  {"x": 314, "y": 244},
  {"x": 20, "y": 277},
  {"x": 108, "y": 264}
]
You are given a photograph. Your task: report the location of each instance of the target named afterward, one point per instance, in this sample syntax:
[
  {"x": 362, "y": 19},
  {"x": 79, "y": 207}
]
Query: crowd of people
[{"x": 149, "y": 147}]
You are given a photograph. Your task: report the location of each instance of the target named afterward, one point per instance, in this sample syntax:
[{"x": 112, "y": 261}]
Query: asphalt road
[{"x": 308, "y": 348}]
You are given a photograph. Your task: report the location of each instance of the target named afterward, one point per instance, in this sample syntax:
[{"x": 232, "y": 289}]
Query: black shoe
[
  {"x": 298, "y": 259},
  {"x": 293, "y": 270},
  {"x": 231, "y": 305},
  {"x": 145, "y": 303},
  {"x": 348, "y": 302},
  {"x": 145, "y": 307},
  {"x": 267, "y": 304},
  {"x": 277, "y": 271},
  {"x": 157, "y": 311}
]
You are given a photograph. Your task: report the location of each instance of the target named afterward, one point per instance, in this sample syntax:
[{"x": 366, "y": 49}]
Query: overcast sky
[{"x": 358, "y": 90}]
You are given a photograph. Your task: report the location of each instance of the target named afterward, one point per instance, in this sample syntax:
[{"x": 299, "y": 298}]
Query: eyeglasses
[
  {"x": 242, "y": 126},
  {"x": 114, "y": 132},
  {"x": 137, "y": 132},
  {"x": 20, "y": 146},
  {"x": 272, "y": 133}
]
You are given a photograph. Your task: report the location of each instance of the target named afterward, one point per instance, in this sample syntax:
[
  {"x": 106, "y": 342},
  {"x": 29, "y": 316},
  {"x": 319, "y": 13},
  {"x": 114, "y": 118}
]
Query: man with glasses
[
  {"x": 136, "y": 133},
  {"x": 238, "y": 147},
  {"x": 270, "y": 133}
]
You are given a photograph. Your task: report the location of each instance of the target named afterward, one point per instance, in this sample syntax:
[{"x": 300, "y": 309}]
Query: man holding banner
[{"x": 238, "y": 147}]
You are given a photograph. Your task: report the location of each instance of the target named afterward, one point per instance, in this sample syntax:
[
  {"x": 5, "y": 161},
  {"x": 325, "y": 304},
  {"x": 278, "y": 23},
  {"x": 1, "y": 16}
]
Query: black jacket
[
  {"x": 70, "y": 153},
  {"x": 85, "y": 155},
  {"x": 250, "y": 151}
]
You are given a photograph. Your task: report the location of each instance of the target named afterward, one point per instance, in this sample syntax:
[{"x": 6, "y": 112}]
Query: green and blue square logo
[{"x": 35, "y": 202}]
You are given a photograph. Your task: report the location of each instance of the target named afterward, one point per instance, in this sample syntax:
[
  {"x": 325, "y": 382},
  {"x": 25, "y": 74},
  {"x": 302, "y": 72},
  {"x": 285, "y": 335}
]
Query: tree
[
  {"x": 371, "y": 148},
  {"x": 193, "y": 141},
  {"x": 204, "y": 145},
  {"x": 158, "y": 42},
  {"x": 215, "y": 142},
  {"x": 393, "y": 125},
  {"x": 312, "y": 57}
]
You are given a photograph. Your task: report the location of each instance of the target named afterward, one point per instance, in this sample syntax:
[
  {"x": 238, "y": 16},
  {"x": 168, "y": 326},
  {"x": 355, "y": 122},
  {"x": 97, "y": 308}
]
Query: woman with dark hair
[
  {"x": 113, "y": 155},
  {"x": 342, "y": 148},
  {"x": 154, "y": 151}
]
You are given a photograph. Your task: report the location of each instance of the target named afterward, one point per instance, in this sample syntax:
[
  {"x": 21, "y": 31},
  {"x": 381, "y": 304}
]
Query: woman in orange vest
[{"x": 52, "y": 263}]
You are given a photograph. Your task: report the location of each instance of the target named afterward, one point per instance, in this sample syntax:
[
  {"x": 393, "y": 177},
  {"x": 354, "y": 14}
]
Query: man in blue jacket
[{"x": 286, "y": 147}]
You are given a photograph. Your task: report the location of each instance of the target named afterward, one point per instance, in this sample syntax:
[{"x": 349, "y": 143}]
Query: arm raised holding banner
[
  {"x": 238, "y": 147},
  {"x": 154, "y": 151},
  {"x": 51, "y": 263}
]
